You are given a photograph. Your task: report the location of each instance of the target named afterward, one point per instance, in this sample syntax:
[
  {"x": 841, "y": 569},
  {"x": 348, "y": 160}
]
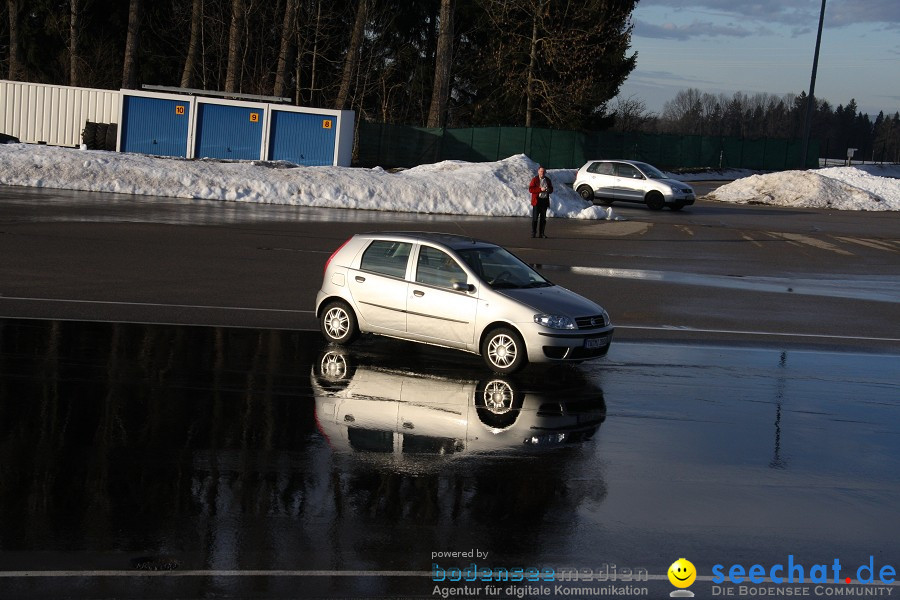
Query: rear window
[{"x": 386, "y": 257}]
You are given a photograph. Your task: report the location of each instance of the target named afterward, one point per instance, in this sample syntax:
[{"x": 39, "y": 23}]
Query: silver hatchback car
[
  {"x": 605, "y": 181},
  {"x": 457, "y": 292}
]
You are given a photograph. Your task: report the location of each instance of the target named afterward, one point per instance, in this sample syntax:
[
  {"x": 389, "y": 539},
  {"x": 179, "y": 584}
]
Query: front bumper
[
  {"x": 562, "y": 346},
  {"x": 683, "y": 199}
]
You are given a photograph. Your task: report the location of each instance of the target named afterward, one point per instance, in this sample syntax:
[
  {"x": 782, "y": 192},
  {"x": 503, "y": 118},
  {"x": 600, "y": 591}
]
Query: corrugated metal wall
[
  {"x": 54, "y": 114},
  {"x": 231, "y": 131},
  {"x": 302, "y": 138},
  {"x": 157, "y": 126}
]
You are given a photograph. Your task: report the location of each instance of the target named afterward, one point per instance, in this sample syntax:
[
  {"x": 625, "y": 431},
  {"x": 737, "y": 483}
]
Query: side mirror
[{"x": 459, "y": 286}]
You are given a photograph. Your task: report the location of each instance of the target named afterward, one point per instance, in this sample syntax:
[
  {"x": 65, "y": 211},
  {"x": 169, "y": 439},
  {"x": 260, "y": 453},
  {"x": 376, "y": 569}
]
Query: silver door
[
  {"x": 379, "y": 286},
  {"x": 435, "y": 310}
]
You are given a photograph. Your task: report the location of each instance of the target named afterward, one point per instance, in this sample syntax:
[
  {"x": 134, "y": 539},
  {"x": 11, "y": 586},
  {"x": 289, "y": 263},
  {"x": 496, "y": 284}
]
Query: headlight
[{"x": 555, "y": 321}]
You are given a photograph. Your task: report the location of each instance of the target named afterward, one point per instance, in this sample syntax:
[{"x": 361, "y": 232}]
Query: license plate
[{"x": 592, "y": 343}]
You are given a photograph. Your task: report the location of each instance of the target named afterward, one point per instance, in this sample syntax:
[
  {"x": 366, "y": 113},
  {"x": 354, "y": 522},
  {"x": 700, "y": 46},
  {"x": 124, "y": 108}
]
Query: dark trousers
[{"x": 539, "y": 216}]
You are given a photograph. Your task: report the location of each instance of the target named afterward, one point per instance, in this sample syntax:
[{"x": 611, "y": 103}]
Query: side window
[
  {"x": 594, "y": 167},
  {"x": 628, "y": 171},
  {"x": 438, "y": 268},
  {"x": 386, "y": 257},
  {"x": 605, "y": 169}
]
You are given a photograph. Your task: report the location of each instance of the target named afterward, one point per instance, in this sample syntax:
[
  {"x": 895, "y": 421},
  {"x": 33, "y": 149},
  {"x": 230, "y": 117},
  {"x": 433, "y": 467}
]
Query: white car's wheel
[
  {"x": 586, "y": 193},
  {"x": 498, "y": 402},
  {"x": 338, "y": 323},
  {"x": 655, "y": 201},
  {"x": 503, "y": 350}
]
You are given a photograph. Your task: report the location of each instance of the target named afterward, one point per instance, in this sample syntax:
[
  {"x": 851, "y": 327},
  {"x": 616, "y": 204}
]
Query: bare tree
[
  {"x": 74, "y": 27},
  {"x": 16, "y": 67},
  {"x": 437, "y": 112},
  {"x": 356, "y": 39},
  {"x": 683, "y": 113},
  {"x": 631, "y": 114},
  {"x": 131, "y": 43},
  {"x": 285, "y": 54},
  {"x": 234, "y": 44},
  {"x": 314, "y": 59},
  {"x": 547, "y": 62},
  {"x": 530, "y": 91},
  {"x": 190, "y": 62}
]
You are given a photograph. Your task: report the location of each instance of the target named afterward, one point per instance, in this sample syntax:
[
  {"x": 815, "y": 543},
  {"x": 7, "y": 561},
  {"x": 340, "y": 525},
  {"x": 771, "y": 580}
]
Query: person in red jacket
[{"x": 540, "y": 187}]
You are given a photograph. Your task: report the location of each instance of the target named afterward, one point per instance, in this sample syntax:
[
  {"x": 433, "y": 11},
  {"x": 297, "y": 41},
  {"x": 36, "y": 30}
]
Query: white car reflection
[{"x": 368, "y": 408}]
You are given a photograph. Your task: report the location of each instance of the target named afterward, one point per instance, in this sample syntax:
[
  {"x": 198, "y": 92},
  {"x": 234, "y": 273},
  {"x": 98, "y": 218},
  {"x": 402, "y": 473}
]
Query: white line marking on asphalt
[
  {"x": 155, "y": 304},
  {"x": 213, "y": 573},
  {"x": 678, "y": 328},
  {"x": 673, "y": 328},
  {"x": 331, "y": 573}
]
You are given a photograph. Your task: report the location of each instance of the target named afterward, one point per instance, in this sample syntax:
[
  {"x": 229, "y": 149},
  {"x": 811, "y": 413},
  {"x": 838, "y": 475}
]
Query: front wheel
[
  {"x": 655, "y": 201},
  {"x": 338, "y": 323},
  {"x": 503, "y": 350},
  {"x": 498, "y": 402}
]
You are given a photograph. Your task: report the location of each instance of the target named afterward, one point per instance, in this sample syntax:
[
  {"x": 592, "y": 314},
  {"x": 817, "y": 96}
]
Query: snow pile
[
  {"x": 871, "y": 187},
  {"x": 450, "y": 187}
]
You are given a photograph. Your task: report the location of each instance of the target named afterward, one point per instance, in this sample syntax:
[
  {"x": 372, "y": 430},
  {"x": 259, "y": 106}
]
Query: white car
[
  {"x": 457, "y": 292},
  {"x": 605, "y": 181}
]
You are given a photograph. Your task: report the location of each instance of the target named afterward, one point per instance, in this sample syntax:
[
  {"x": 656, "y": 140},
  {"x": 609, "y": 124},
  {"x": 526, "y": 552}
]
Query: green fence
[{"x": 381, "y": 144}]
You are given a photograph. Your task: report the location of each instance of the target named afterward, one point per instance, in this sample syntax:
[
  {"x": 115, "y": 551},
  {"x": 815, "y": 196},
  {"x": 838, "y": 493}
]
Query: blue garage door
[
  {"x": 228, "y": 132},
  {"x": 302, "y": 138},
  {"x": 155, "y": 126}
]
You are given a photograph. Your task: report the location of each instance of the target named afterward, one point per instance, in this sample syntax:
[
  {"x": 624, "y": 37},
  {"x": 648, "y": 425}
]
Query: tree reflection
[{"x": 203, "y": 441}]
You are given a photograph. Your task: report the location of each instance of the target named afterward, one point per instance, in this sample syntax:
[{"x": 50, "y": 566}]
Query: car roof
[
  {"x": 618, "y": 160},
  {"x": 450, "y": 240}
]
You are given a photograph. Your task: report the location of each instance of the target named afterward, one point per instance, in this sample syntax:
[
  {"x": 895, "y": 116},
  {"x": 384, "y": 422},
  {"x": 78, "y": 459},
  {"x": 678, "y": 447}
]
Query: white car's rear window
[{"x": 386, "y": 257}]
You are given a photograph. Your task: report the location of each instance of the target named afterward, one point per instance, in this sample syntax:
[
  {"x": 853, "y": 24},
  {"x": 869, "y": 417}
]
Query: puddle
[{"x": 878, "y": 289}]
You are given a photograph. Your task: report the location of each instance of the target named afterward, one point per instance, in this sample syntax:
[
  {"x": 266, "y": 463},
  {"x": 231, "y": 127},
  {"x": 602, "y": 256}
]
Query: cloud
[
  {"x": 850, "y": 12},
  {"x": 799, "y": 13},
  {"x": 666, "y": 78},
  {"x": 671, "y": 31}
]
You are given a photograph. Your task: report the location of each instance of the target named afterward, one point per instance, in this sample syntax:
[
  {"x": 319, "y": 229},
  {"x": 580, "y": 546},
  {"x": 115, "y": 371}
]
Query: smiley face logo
[{"x": 682, "y": 573}]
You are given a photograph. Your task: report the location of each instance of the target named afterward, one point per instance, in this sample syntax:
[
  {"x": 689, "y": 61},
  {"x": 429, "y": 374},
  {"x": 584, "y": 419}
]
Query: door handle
[
  {"x": 360, "y": 279},
  {"x": 418, "y": 293},
  {"x": 408, "y": 425}
]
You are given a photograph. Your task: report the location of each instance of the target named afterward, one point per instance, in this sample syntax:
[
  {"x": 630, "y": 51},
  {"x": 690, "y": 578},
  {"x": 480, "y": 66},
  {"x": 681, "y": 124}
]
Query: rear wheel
[
  {"x": 335, "y": 371},
  {"x": 503, "y": 350},
  {"x": 655, "y": 201},
  {"x": 586, "y": 192},
  {"x": 338, "y": 323}
]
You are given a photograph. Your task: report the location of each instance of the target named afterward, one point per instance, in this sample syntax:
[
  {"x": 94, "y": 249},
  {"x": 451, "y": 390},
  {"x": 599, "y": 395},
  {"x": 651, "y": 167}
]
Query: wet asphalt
[
  {"x": 151, "y": 461},
  {"x": 172, "y": 425}
]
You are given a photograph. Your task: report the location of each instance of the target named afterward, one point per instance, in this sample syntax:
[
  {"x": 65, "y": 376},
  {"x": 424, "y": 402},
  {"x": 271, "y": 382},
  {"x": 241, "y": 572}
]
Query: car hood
[
  {"x": 674, "y": 183},
  {"x": 554, "y": 300}
]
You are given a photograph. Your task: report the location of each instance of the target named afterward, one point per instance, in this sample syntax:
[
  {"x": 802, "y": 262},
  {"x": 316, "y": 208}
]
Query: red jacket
[{"x": 535, "y": 188}]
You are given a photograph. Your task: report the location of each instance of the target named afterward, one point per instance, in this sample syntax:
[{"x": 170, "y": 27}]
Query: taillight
[{"x": 333, "y": 254}]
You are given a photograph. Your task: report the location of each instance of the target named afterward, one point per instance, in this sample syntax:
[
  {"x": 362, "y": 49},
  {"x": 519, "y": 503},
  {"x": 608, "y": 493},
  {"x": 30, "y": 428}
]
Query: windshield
[
  {"x": 500, "y": 269},
  {"x": 650, "y": 171}
]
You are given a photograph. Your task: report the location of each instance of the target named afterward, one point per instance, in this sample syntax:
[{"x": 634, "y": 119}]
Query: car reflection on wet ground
[
  {"x": 364, "y": 404},
  {"x": 170, "y": 461}
]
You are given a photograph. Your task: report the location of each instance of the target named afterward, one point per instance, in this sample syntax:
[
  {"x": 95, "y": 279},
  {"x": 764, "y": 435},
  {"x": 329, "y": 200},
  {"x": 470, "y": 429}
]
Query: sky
[
  {"x": 728, "y": 46},
  {"x": 450, "y": 187}
]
